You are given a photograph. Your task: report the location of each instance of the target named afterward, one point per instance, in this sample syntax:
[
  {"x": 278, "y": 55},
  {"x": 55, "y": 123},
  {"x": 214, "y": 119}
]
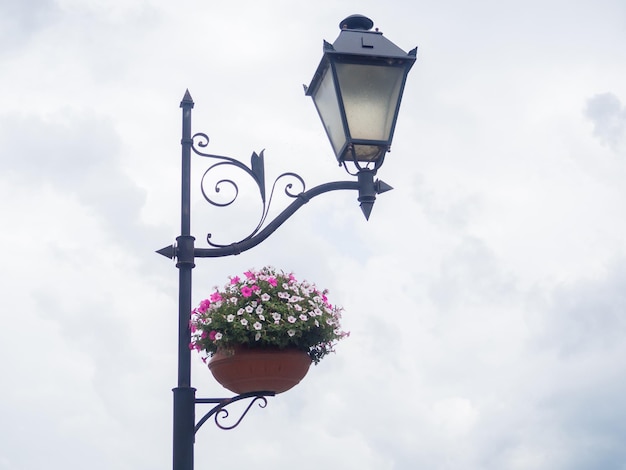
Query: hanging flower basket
[
  {"x": 244, "y": 370},
  {"x": 261, "y": 333}
]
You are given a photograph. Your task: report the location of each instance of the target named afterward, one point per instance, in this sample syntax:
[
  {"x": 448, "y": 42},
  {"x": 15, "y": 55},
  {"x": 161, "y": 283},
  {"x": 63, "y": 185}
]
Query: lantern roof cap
[{"x": 357, "y": 39}]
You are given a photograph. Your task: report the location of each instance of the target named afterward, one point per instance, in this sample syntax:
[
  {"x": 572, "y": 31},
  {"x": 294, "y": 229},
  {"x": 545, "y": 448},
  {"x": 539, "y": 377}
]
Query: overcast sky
[{"x": 486, "y": 296}]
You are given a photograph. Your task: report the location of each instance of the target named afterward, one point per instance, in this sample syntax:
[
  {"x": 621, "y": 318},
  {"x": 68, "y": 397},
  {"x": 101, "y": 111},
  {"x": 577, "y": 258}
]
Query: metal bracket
[{"x": 219, "y": 411}]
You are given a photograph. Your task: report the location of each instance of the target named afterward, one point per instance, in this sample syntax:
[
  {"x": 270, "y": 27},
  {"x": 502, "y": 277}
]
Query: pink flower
[
  {"x": 255, "y": 288},
  {"x": 250, "y": 275},
  {"x": 216, "y": 297},
  {"x": 204, "y": 305},
  {"x": 272, "y": 281},
  {"x": 212, "y": 335},
  {"x": 246, "y": 291},
  {"x": 234, "y": 280}
]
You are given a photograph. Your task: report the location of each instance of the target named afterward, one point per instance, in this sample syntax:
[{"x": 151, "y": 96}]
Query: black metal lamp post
[{"x": 357, "y": 91}]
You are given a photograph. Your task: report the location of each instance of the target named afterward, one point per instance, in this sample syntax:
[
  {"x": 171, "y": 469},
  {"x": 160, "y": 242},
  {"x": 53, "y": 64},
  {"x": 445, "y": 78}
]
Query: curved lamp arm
[{"x": 367, "y": 187}]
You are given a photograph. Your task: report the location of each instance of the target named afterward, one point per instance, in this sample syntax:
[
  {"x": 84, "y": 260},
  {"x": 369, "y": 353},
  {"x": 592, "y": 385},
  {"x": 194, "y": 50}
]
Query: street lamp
[{"x": 357, "y": 90}]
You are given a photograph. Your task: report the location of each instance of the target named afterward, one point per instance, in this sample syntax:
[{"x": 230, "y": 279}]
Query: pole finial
[{"x": 187, "y": 100}]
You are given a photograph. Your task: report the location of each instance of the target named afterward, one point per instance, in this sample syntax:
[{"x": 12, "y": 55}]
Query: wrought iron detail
[
  {"x": 256, "y": 171},
  {"x": 219, "y": 411}
]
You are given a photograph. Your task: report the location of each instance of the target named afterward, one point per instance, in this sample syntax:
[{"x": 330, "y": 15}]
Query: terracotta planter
[{"x": 259, "y": 370}]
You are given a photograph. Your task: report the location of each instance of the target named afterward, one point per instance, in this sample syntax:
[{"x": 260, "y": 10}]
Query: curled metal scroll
[
  {"x": 219, "y": 412},
  {"x": 256, "y": 171}
]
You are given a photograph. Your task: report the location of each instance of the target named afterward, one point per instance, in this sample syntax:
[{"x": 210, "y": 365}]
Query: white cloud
[
  {"x": 608, "y": 115},
  {"x": 484, "y": 295}
]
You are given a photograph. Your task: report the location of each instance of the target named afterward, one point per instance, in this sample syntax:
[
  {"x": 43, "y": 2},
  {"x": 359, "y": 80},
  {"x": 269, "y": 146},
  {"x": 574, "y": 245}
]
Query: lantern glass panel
[
  {"x": 370, "y": 96},
  {"x": 327, "y": 104}
]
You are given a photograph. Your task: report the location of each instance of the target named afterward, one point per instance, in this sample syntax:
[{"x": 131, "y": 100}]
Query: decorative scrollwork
[
  {"x": 289, "y": 186},
  {"x": 224, "y": 413},
  {"x": 256, "y": 170},
  {"x": 218, "y": 187},
  {"x": 219, "y": 412}
]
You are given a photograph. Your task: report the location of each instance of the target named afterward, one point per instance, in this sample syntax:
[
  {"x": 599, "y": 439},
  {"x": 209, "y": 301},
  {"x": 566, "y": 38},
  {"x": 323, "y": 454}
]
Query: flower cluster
[{"x": 267, "y": 308}]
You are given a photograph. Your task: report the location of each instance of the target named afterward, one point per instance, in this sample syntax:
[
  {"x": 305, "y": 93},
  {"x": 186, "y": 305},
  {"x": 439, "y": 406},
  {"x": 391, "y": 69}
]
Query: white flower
[
  {"x": 241, "y": 311},
  {"x": 244, "y": 322},
  {"x": 291, "y": 332},
  {"x": 265, "y": 297},
  {"x": 291, "y": 319},
  {"x": 257, "y": 336},
  {"x": 259, "y": 310},
  {"x": 276, "y": 316},
  {"x": 249, "y": 309},
  {"x": 303, "y": 317},
  {"x": 218, "y": 336},
  {"x": 233, "y": 300},
  {"x": 257, "y": 326},
  {"x": 230, "y": 318},
  {"x": 261, "y": 317}
]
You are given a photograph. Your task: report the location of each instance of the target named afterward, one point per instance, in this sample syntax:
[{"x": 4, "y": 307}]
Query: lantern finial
[{"x": 358, "y": 22}]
